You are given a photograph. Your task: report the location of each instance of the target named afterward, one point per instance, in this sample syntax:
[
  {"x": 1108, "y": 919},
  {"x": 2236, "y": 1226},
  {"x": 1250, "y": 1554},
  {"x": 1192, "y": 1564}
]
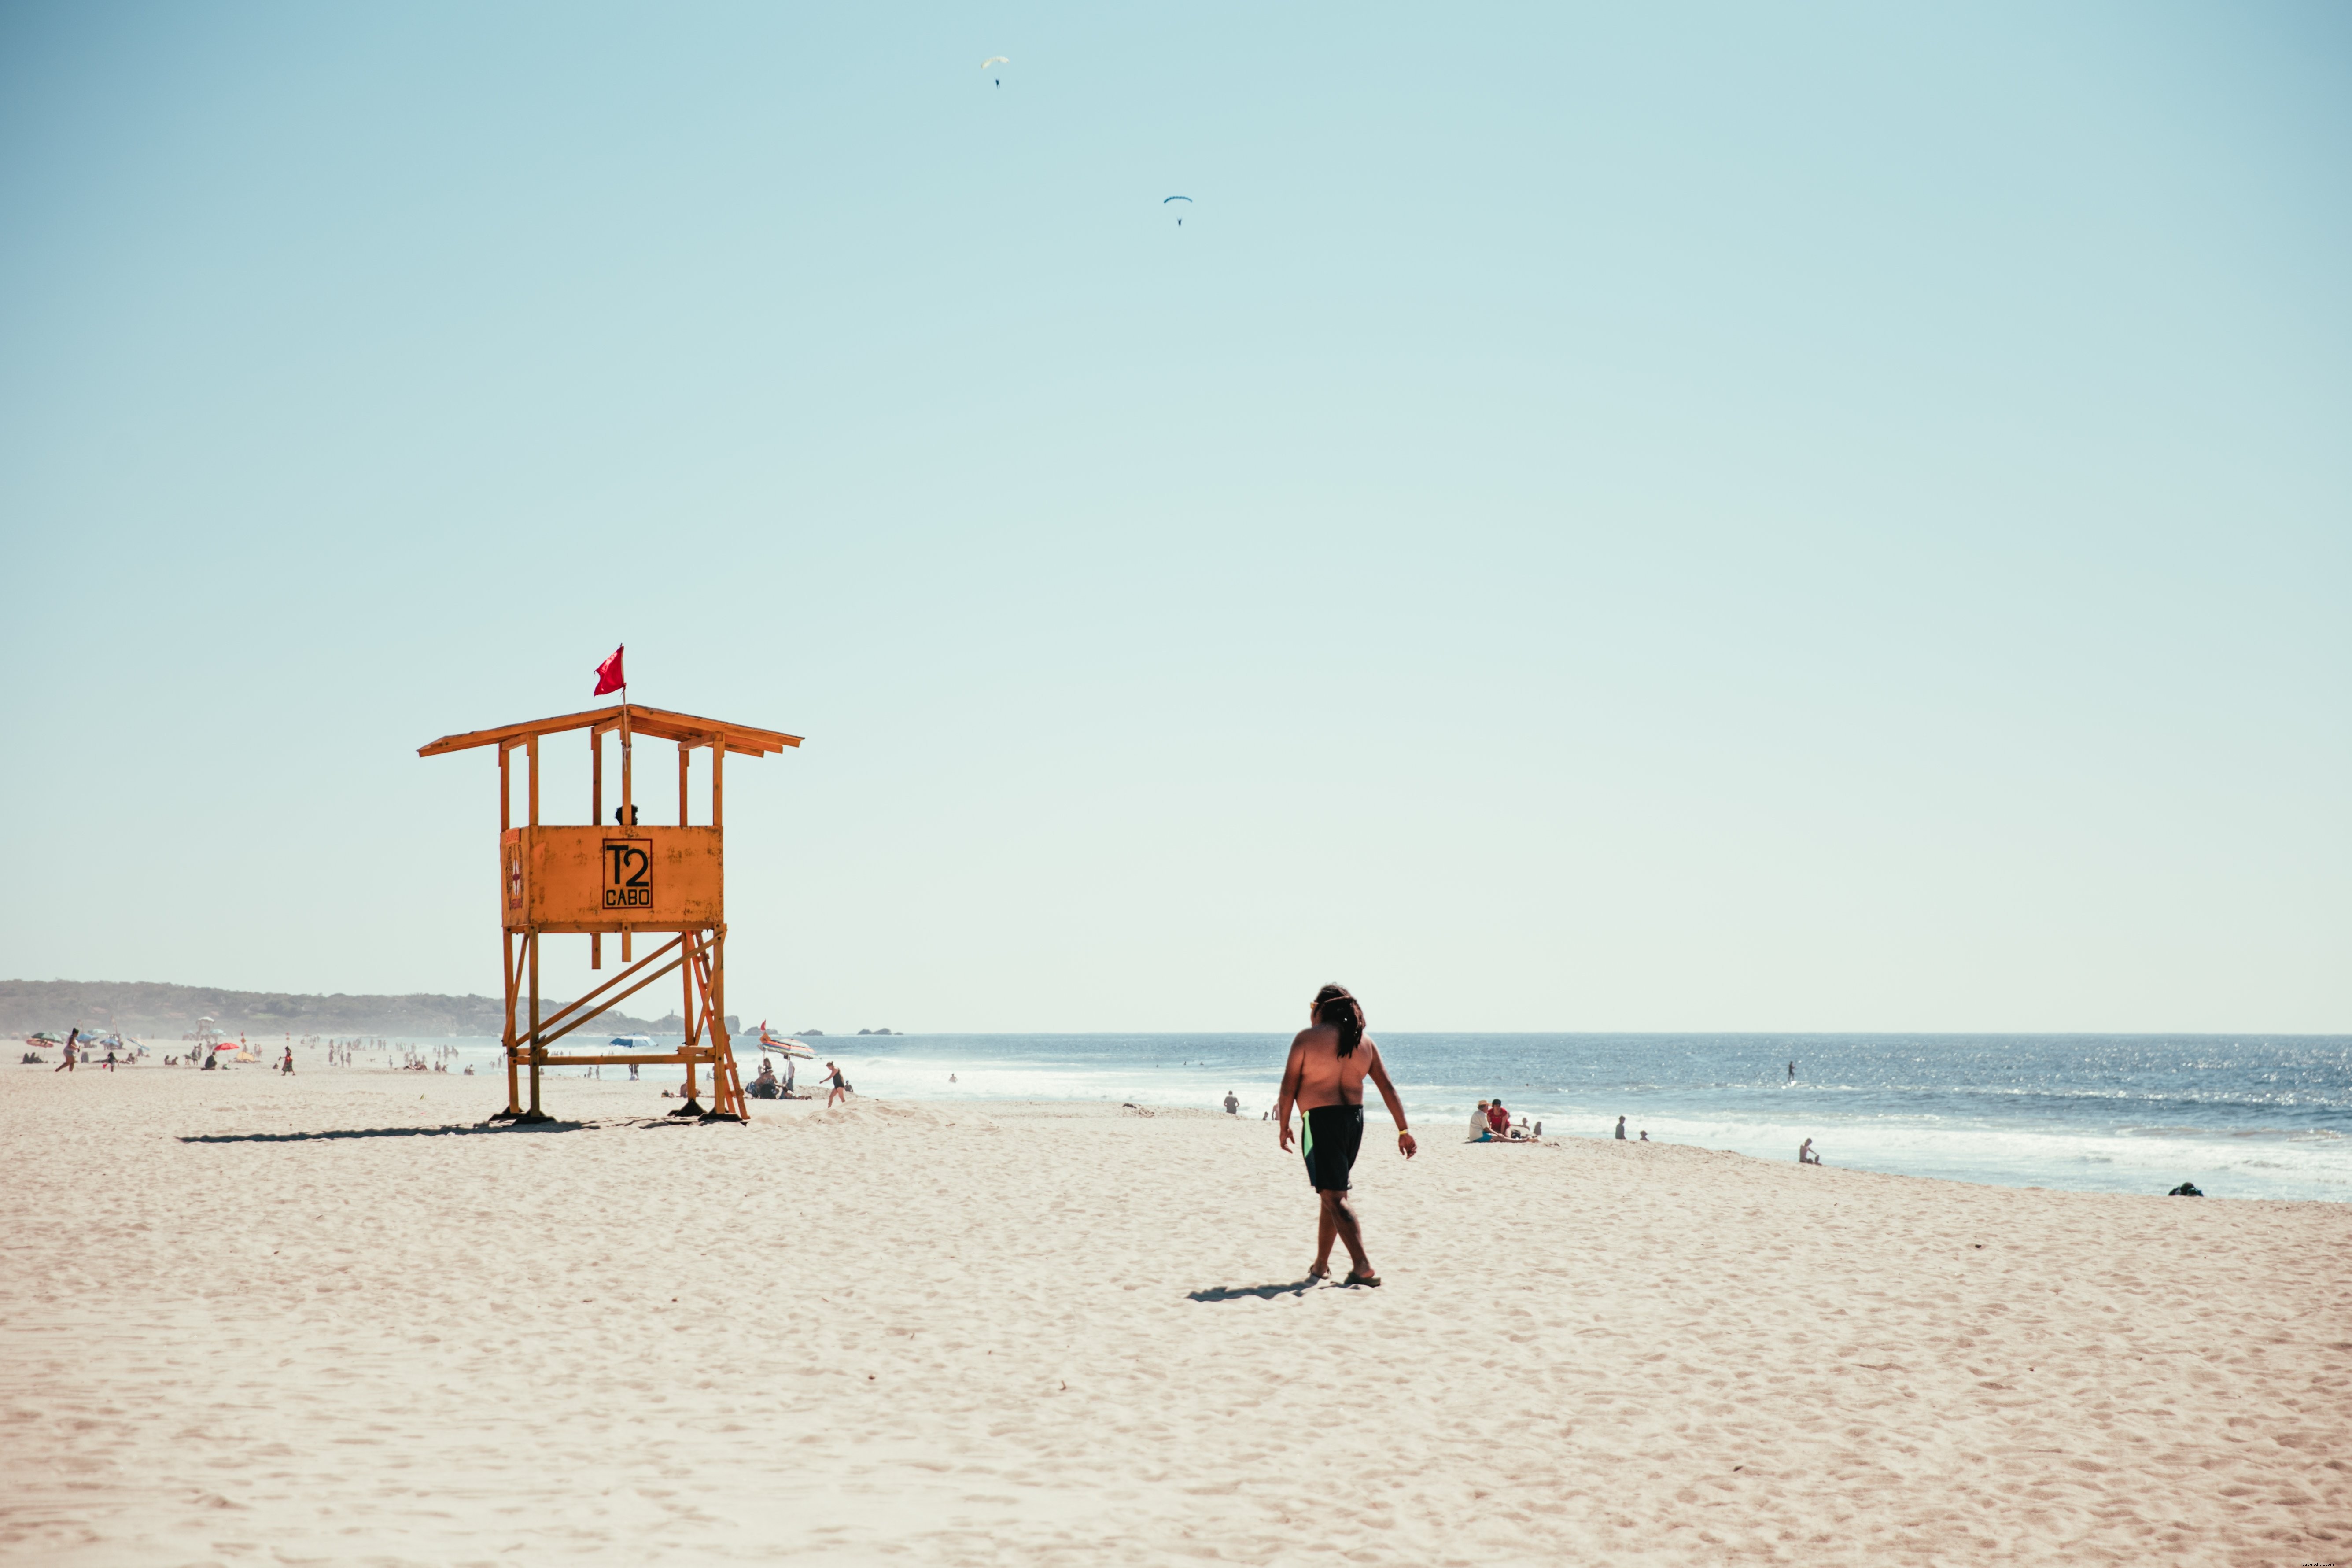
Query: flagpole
[{"x": 628, "y": 806}]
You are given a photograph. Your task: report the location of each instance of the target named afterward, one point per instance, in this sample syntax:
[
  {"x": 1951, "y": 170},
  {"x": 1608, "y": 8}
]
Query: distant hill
[{"x": 168, "y": 1012}]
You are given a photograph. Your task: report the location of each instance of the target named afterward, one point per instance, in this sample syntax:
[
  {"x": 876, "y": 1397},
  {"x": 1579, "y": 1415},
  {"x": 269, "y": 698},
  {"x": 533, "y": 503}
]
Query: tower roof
[{"x": 747, "y": 740}]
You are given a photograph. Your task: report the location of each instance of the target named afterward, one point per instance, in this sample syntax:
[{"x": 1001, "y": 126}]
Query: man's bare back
[{"x": 1321, "y": 1075}]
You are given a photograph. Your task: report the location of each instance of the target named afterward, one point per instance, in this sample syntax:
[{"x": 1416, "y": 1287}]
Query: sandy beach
[{"x": 253, "y": 1319}]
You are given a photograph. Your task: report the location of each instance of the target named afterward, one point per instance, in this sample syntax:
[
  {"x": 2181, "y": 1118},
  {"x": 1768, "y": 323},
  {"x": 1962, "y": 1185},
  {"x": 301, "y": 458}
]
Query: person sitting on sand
[
  {"x": 1498, "y": 1119},
  {"x": 1481, "y": 1130},
  {"x": 1620, "y": 1129},
  {"x": 1645, "y": 1135},
  {"x": 1805, "y": 1156},
  {"x": 1233, "y": 1103}
]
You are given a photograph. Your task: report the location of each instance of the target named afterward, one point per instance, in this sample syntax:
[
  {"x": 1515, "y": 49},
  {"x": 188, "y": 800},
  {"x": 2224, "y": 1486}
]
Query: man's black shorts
[{"x": 1329, "y": 1138}]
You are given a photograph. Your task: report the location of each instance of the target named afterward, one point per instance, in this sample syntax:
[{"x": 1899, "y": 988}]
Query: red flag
[{"x": 608, "y": 674}]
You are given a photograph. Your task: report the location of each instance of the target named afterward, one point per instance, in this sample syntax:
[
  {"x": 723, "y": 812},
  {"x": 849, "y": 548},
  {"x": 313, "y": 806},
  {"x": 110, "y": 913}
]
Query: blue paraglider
[{"x": 1179, "y": 216}]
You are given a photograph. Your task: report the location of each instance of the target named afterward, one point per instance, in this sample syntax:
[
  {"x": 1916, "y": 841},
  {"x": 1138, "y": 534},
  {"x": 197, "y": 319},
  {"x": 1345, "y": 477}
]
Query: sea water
[{"x": 2240, "y": 1116}]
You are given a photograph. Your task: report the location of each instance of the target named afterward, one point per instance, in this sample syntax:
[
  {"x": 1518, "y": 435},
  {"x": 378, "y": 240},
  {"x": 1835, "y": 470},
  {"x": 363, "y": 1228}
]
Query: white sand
[{"x": 935, "y": 1336}]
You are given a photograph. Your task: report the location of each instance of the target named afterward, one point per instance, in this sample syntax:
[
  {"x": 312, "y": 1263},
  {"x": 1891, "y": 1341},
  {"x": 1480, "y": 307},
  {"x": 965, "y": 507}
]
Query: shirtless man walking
[{"x": 1329, "y": 1060}]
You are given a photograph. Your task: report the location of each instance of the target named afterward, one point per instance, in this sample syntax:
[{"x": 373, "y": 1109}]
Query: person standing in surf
[{"x": 1329, "y": 1060}]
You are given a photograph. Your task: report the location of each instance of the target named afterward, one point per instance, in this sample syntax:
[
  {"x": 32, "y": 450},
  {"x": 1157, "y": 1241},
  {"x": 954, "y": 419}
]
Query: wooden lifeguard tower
[{"x": 618, "y": 879}]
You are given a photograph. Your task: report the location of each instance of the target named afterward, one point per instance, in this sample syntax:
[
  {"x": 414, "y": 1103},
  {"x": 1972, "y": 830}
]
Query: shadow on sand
[
  {"x": 461, "y": 1130},
  {"x": 470, "y": 1130},
  {"x": 1252, "y": 1293}
]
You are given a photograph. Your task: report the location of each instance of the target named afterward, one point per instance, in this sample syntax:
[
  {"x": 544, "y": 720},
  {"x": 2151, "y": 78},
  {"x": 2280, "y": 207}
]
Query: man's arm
[
  {"x": 1291, "y": 1071},
  {"x": 1379, "y": 1074}
]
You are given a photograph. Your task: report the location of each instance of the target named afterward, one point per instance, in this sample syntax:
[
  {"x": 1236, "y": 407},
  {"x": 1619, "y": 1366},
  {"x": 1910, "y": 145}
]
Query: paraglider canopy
[
  {"x": 988, "y": 67},
  {"x": 1179, "y": 216}
]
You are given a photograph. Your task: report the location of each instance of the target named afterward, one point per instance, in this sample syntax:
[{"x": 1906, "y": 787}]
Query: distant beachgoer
[
  {"x": 68, "y": 1064},
  {"x": 1645, "y": 1135},
  {"x": 287, "y": 1066},
  {"x": 1329, "y": 1060},
  {"x": 1481, "y": 1130},
  {"x": 109, "y": 1063},
  {"x": 1499, "y": 1120},
  {"x": 952, "y": 1078},
  {"x": 1792, "y": 1072},
  {"x": 1233, "y": 1103},
  {"x": 840, "y": 1086},
  {"x": 1620, "y": 1129},
  {"x": 1805, "y": 1156}
]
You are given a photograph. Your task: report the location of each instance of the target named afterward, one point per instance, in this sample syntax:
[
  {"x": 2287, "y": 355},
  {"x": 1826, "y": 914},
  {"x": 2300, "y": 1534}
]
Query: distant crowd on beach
[
  {"x": 209, "y": 1051},
  {"x": 1492, "y": 1123}
]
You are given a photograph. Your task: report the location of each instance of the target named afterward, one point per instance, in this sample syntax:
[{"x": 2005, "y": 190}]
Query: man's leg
[
  {"x": 1342, "y": 1219},
  {"x": 1326, "y": 1231}
]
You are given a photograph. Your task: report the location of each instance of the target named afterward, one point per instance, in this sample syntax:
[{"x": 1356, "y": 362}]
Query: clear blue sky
[{"x": 1606, "y": 517}]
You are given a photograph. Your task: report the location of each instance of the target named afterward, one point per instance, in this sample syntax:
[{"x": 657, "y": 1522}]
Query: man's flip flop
[{"x": 1356, "y": 1279}]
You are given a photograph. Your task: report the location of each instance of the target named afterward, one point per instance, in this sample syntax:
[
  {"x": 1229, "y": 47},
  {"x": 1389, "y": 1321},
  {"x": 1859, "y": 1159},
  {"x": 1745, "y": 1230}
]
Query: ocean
[{"x": 2240, "y": 1116}]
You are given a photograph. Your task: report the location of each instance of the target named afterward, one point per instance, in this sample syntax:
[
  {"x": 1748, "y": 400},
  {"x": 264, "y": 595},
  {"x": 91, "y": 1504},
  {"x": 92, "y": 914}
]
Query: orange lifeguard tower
[{"x": 618, "y": 879}]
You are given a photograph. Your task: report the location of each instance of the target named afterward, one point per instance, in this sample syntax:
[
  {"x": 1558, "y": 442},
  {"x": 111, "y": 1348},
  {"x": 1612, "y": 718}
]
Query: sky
[{"x": 1678, "y": 518}]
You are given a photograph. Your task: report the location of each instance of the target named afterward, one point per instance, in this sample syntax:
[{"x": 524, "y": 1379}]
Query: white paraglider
[{"x": 988, "y": 65}]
